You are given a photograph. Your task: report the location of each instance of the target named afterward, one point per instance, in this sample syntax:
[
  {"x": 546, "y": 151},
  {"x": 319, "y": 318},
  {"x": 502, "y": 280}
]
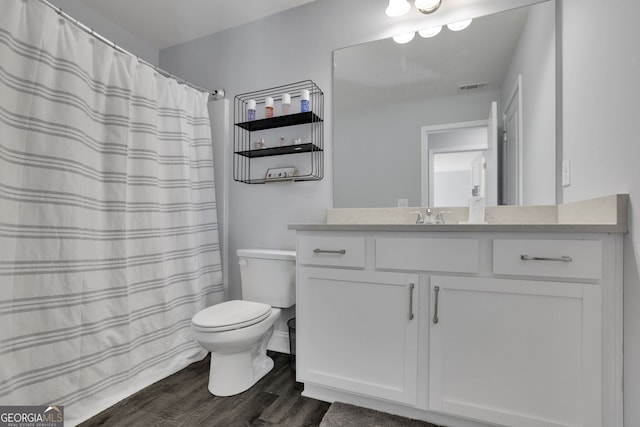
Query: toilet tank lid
[{"x": 267, "y": 254}]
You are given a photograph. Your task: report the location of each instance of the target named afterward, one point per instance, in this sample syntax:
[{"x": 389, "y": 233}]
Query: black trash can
[{"x": 291, "y": 323}]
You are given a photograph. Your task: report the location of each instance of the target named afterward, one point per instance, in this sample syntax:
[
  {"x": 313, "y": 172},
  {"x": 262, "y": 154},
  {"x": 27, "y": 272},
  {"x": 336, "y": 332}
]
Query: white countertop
[
  {"x": 606, "y": 214},
  {"x": 524, "y": 228}
]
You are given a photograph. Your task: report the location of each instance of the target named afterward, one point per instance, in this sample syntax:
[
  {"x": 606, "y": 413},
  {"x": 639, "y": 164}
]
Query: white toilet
[{"x": 237, "y": 332}]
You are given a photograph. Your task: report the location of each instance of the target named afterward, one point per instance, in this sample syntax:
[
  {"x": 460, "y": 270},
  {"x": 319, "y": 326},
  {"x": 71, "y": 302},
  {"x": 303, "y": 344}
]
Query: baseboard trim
[{"x": 331, "y": 395}]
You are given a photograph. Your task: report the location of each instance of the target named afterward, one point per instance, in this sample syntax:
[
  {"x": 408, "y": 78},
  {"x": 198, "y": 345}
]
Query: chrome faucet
[
  {"x": 440, "y": 218},
  {"x": 429, "y": 218},
  {"x": 424, "y": 219},
  {"x": 420, "y": 218}
]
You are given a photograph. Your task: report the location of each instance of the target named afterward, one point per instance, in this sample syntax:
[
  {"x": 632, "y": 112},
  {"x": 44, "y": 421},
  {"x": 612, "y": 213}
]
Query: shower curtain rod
[{"x": 215, "y": 94}]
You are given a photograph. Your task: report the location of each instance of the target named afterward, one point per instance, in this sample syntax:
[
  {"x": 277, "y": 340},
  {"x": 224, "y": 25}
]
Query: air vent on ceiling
[{"x": 473, "y": 86}]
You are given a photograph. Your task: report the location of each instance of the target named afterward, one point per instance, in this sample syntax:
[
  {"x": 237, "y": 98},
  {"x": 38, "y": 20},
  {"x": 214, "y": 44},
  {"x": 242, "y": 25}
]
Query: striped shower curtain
[{"x": 108, "y": 227}]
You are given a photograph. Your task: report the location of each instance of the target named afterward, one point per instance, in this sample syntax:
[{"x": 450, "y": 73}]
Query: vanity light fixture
[
  {"x": 397, "y": 8},
  {"x": 404, "y": 37},
  {"x": 430, "y": 32},
  {"x": 427, "y": 6},
  {"x": 460, "y": 25},
  {"x": 400, "y": 7}
]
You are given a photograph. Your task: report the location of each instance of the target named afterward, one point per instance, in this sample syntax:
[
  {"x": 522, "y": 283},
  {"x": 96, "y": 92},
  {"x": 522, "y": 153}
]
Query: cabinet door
[
  {"x": 513, "y": 352},
  {"x": 357, "y": 331}
]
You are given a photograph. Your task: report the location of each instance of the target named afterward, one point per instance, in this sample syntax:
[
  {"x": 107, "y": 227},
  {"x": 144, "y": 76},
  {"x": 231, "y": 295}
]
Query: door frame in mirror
[
  {"x": 514, "y": 105},
  {"x": 426, "y": 156}
]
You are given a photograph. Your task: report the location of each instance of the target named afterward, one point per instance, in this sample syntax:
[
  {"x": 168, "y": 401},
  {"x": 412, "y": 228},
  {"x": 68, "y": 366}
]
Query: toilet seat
[{"x": 231, "y": 315}]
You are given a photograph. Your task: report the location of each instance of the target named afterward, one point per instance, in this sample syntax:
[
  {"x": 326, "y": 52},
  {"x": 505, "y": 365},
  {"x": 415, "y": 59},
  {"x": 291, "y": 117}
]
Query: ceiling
[{"x": 165, "y": 23}]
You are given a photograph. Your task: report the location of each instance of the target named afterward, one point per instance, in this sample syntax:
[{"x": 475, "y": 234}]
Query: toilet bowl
[{"x": 237, "y": 332}]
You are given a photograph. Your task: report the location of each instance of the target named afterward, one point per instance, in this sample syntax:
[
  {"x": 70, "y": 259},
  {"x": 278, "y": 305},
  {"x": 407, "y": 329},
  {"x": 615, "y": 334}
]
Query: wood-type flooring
[{"x": 182, "y": 400}]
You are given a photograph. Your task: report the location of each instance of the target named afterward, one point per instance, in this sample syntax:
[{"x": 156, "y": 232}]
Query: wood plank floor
[{"x": 183, "y": 400}]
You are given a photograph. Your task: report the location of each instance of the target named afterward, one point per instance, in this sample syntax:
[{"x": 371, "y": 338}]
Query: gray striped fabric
[{"x": 108, "y": 227}]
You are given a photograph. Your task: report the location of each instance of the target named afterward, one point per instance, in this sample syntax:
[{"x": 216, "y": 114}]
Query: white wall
[
  {"x": 108, "y": 29},
  {"x": 601, "y": 112},
  {"x": 465, "y": 137}
]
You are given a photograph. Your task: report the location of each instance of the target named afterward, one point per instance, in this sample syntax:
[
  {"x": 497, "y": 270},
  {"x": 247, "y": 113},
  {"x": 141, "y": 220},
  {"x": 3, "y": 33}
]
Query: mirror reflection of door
[
  {"x": 512, "y": 173},
  {"x": 456, "y": 176},
  {"x": 492, "y": 170},
  {"x": 454, "y": 162}
]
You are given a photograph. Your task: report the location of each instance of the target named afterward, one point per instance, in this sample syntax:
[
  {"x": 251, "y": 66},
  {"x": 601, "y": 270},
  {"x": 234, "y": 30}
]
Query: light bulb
[
  {"x": 460, "y": 25},
  {"x": 427, "y": 6},
  {"x": 404, "y": 37},
  {"x": 430, "y": 32},
  {"x": 397, "y": 8}
]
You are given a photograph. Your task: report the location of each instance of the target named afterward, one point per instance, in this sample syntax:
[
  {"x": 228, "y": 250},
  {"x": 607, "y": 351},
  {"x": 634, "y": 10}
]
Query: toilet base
[{"x": 231, "y": 374}]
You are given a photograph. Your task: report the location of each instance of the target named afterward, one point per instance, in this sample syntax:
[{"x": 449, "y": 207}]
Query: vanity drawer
[
  {"x": 578, "y": 259},
  {"x": 447, "y": 255},
  {"x": 340, "y": 251}
]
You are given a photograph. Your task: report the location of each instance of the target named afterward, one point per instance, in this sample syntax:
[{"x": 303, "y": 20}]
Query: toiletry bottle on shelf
[
  {"x": 268, "y": 107},
  {"x": 283, "y": 141},
  {"x": 286, "y": 103},
  {"x": 259, "y": 145},
  {"x": 304, "y": 101},
  {"x": 251, "y": 109}
]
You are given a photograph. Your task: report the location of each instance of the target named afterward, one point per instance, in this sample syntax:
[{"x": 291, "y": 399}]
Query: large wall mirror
[{"x": 438, "y": 119}]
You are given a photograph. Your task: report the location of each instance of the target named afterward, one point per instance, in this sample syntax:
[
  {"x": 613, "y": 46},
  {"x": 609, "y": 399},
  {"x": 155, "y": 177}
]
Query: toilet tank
[{"x": 268, "y": 276}]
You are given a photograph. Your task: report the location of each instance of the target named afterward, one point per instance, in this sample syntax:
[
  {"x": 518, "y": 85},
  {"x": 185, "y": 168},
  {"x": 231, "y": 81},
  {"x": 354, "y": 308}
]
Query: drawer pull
[
  {"x": 435, "y": 309},
  {"x": 538, "y": 258},
  {"x": 411, "y": 286},
  {"x": 330, "y": 251}
]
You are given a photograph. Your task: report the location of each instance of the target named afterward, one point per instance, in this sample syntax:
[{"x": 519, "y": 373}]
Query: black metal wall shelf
[
  {"x": 280, "y": 121},
  {"x": 279, "y": 151},
  {"x": 293, "y": 179},
  {"x": 308, "y": 126}
]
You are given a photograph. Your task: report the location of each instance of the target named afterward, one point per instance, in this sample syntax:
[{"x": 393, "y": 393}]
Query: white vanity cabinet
[
  {"x": 463, "y": 328},
  {"x": 360, "y": 327},
  {"x": 521, "y": 352},
  {"x": 361, "y": 331},
  {"x": 515, "y": 352}
]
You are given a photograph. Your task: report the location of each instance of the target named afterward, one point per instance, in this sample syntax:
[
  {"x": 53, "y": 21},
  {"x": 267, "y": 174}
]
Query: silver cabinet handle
[
  {"x": 330, "y": 251},
  {"x": 539, "y": 258},
  {"x": 411, "y": 286},
  {"x": 435, "y": 309}
]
